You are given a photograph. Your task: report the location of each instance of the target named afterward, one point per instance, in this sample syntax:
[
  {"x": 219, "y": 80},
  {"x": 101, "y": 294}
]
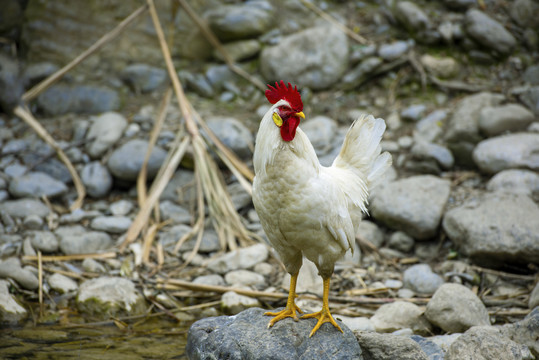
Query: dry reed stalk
[
  {"x": 40, "y": 281},
  {"x": 28, "y": 118},
  {"x": 225, "y": 218},
  {"x": 37, "y": 89},
  {"x": 107, "y": 255}
]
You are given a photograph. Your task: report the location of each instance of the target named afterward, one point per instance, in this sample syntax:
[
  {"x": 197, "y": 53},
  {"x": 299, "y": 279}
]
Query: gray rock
[
  {"x": 463, "y": 129},
  {"x": 534, "y": 297},
  {"x": 444, "y": 341},
  {"x": 11, "y": 268},
  {"x": 499, "y": 227},
  {"x": 233, "y": 303},
  {"x": 126, "y": 161},
  {"x": 107, "y": 297},
  {"x": 525, "y": 13},
  {"x": 10, "y": 310},
  {"x": 362, "y": 53},
  {"x": 395, "y": 50},
  {"x": 174, "y": 212},
  {"x": 32, "y": 222},
  {"x": 455, "y": 308},
  {"x": 209, "y": 243},
  {"x": 515, "y": 181},
  {"x": 11, "y": 82},
  {"x": 246, "y": 336},
  {"x": 360, "y": 73},
  {"x": 144, "y": 78},
  {"x": 181, "y": 188},
  {"x": 421, "y": 279},
  {"x": 530, "y": 98},
  {"x": 45, "y": 241},
  {"x": 111, "y": 224},
  {"x": 357, "y": 323},
  {"x": 460, "y": 4},
  {"x": 369, "y": 231},
  {"x": 242, "y": 21},
  {"x": 488, "y": 32},
  {"x": 24, "y": 207},
  {"x": 413, "y": 205},
  {"x": 411, "y": 16},
  {"x": 36, "y": 184},
  {"x": 34, "y": 73},
  {"x": 93, "y": 266},
  {"x": 239, "y": 196},
  {"x": 485, "y": 343},
  {"x": 62, "y": 284},
  {"x": 315, "y": 58},
  {"x": 311, "y": 281},
  {"x": 400, "y": 315},
  {"x": 388, "y": 346},
  {"x": 444, "y": 67},
  {"x": 430, "y": 348},
  {"x": 520, "y": 150},
  {"x": 239, "y": 50},
  {"x": 413, "y": 112},
  {"x": 171, "y": 236},
  {"x": 525, "y": 331},
  {"x": 97, "y": 179},
  {"x": 320, "y": 130},
  {"x": 433, "y": 152},
  {"x": 430, "y": 128},
  {"x": 121, "y": 207},
  {"x": 531, "y": 74},
  {"x": 401, "y": 241},
  {"x": 243, "y": 258},
  {"x": 233, "y": 134},
  {"x": 212, "y": 279},
  {"x": 77, "y": 240},
  {"x": 505, "y": 118},
  {"x": 81, "y": 99},
  {"x": 104, "y": 132}
]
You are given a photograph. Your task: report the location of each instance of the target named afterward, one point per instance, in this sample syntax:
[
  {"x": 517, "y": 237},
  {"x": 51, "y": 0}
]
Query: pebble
[
  {"x": 401, "y": 241},
  {"x": 240, "y": 50},
  {"x": 534, "y": 297},
  {"x": 244, "y": 278},
  {"x": 413, "y": 112},
  {"x": 104, "y": 132},
  {"x": 497, "y": 227},
  {"x": 400, "y": 315},
  {"x": 107, "y": 297},
  {"x": 371, "y": 232},
  {"x": 485, "y": 343},
  {"x": 357, "y": 323},
  {"x": 496, "y": 120},
  {"x": 263, "y": 268},
  {"x": 414, "y": 205},
  {"x": 121, "y": 207},
  {"x": 455, "y": 308},
  {"x": 240, "y": 21},
  {"x": 144, "y": 78},
  {"x": 174, "y": 212},
  {"x": 93, "y": 266},
  {"x": 239, "y": 196},
  {"x": 76, "y": 239},
  {"x": 411, "y": 16},
  {"x": 11, "y": 268},
  {"x": 430, "y": 348},
  {"x": 310, "y": 281},
  {"x": 420, "y": 279},
  {"x": 210, "y": 242},
  {"x": 520, "y": 150},
  {"x": 233, "y": 303},
  {"x": 243, "y": 258},
  {"x": 11, "y": 311},
  {"x": 389, "y": 346},
  {"x": 515, "y": 181},
  {"x": 233, "y": 133},
  {"x": 126, "y": 161},
  {"x": 320, "y": 130},
  {"x": 433, "y": 152},
  {"x": 442, "y": 67},
  {"x": 323, "y": 51},
  {"x": 97, "y": 179},
  {"x": 45, "y": 241},
  {"x": 395, "y": 50},
  {"x": 488, "y": 32},
  {"x": 61, "y": 99},
  {"x": 32, "y": 222},
  {"x": 212, "y": 279},
  {"x": 111, "y": 224},
  {"x": 36, "y": 184},
  {"x": 62, "y": 284}
]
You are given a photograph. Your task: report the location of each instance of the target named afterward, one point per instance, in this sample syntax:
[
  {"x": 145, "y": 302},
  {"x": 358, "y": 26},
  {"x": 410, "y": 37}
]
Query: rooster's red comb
[{"x": 289, "y": 93}]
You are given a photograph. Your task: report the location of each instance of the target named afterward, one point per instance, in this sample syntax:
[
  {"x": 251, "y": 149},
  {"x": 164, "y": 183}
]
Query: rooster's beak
[{"x": 301, "y": 114}]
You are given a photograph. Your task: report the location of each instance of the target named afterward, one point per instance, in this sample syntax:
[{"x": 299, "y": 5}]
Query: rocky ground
[{"x": 449, "y": 256}]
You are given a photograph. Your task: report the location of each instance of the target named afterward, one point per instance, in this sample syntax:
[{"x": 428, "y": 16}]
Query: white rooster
[{"x": 307, "y": 209}]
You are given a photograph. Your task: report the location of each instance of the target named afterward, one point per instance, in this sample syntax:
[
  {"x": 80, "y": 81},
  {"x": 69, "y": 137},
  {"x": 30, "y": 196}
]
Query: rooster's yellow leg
[
  {"x": 291, "y": 307},
  {"x": 323, "y": 315}
]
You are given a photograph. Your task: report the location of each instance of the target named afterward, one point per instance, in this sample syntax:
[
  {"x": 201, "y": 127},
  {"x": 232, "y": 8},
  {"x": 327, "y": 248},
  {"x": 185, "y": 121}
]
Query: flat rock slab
[{"x": 246, "y": 336}]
